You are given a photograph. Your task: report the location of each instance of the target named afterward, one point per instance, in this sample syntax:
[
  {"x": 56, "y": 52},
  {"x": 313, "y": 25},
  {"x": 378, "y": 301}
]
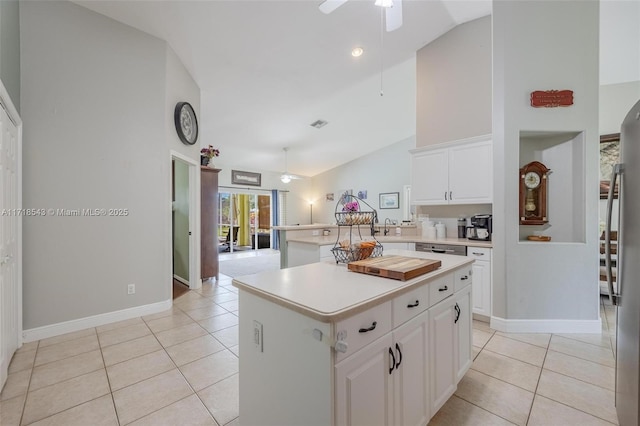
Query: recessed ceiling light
[{"x": 357, "y": 51}]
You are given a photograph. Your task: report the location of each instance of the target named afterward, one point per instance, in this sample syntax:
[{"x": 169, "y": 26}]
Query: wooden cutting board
[{"x": 396, "y": 267}]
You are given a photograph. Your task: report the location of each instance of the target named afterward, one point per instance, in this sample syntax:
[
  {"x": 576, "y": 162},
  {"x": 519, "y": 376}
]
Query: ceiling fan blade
[
  {"x": 393, "y": 16},
  {"x": 328, "y": 6}
]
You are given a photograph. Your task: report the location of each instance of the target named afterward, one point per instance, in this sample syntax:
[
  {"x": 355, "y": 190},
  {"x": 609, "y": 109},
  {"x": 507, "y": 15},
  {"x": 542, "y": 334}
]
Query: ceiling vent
[{"x": 319, "y": 124}]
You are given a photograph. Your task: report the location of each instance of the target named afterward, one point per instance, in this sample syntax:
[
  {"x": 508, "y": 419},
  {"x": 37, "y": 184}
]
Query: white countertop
[
  {"x": 334, "y": 226},
  {"x": 329, "y": 292},
  {"x": 331, "y": 240}
]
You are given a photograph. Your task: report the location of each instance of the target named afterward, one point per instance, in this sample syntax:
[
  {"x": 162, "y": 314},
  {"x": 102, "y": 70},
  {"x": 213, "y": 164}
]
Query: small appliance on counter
[
  {"x": 462, "y": 227},
  {"x": 481, "y": 227}
]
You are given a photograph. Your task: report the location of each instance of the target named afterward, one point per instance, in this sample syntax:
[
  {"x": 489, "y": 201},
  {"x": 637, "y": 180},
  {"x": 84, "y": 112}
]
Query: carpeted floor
[{"x": 250, "y": 265}]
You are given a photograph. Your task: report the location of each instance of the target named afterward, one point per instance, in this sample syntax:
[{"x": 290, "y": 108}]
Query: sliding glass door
[{"x": 244, "y": 221}]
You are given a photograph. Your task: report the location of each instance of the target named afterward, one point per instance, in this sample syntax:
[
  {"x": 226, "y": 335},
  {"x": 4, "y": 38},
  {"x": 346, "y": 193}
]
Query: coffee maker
[{"x": 481, "y": 227}]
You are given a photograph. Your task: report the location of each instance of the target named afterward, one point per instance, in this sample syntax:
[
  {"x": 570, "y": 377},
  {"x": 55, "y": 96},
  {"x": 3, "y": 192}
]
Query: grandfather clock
[{"x": 533, "y": 194}]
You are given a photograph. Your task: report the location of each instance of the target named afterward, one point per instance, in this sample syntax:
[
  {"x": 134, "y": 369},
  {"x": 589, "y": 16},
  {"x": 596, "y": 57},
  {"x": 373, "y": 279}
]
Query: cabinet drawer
[
  {"x": 440, "y": 289},
  {"x": 462, "y": 278},
  {"x": 479, "y": 253},
  {"x": 410, "y": 304},
  {"x": 349, "y": 330}
]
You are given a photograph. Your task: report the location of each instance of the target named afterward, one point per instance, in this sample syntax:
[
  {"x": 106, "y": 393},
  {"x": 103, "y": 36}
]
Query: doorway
[
  {"x": 184, "y": 256},
  {"x": 244, "y": 220}
]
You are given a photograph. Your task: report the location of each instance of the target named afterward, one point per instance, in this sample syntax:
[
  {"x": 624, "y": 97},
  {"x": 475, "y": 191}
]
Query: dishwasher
[{"x": 442, "y": 248}]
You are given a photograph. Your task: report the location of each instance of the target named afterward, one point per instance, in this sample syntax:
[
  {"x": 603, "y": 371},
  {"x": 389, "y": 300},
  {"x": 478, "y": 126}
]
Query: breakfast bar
[{"x": 324, "y": 345}]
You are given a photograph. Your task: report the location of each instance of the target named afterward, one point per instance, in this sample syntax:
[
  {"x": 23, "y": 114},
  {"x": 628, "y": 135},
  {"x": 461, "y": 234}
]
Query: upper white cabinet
[{"x": 458, "y": 172}]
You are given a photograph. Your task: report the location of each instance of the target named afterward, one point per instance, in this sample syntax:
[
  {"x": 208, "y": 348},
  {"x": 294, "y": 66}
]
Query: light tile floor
[
  {"x": 537, "y": 379},
  {"x": 181, "y": 367}
]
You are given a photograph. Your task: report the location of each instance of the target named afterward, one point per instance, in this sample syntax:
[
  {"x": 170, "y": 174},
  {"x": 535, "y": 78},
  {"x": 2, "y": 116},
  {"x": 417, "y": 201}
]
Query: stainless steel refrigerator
[{"x": 627, "y": 292}]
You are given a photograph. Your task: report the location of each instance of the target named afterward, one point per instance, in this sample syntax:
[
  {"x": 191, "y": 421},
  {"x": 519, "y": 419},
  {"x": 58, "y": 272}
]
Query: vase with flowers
[{"x": 207, "y": 154}]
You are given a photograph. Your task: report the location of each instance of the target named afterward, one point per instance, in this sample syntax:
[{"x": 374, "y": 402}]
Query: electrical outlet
[
  {"x": 257, "y": 336},
  {"x": 131, "y": 289},
  {"x": 315, "y": 232}
]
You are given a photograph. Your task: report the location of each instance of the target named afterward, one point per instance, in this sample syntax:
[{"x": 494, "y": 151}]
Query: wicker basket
[
  {"x": 343, "y": 255},
  {"x": 354, "y": 218}
]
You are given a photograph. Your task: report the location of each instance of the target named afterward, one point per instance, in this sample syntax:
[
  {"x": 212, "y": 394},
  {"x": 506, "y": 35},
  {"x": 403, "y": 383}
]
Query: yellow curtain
[{"x": 244, "y": 220}]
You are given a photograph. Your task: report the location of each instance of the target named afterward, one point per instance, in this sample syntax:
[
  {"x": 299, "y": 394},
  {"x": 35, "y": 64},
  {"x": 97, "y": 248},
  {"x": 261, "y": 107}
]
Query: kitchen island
[{"x": 322, "y": 345}]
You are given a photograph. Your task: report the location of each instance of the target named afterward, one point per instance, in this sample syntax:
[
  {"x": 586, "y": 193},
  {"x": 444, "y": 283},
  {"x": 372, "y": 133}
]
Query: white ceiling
[{"x": 267, "y": 69}]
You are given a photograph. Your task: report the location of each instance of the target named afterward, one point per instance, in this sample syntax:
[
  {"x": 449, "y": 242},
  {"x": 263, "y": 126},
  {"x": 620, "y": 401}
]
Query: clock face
[
  {"x": 186, "y": 123},
  {"x": 532, "y": 180}
]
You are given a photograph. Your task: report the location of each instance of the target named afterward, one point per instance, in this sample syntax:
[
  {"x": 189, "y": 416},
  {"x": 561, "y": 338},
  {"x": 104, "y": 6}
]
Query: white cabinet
[
  {"x": 464, "y": 335},
  {"x": 386, "y": 383},
  {"x": 386, "y": 246},
  {"x": 461, "y": 173},
  {"x": 481, "y": 280},
  {"x": 430, "y": 177},
  {"x": 411, "y": 375},
  {"x": 443, "y": 359},
  {"x": 364, "y": 386}
]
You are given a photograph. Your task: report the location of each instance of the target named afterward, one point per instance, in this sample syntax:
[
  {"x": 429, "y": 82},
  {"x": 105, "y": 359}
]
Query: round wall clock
[
  {"x": 533, "y": 194},
  {"x": 186, "y": 123}
]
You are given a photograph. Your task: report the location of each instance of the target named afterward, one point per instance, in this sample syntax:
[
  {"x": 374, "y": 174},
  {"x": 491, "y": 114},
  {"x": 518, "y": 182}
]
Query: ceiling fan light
[
  {"x": 384, "y": 3},
  {"x": 285, "y": 178}
]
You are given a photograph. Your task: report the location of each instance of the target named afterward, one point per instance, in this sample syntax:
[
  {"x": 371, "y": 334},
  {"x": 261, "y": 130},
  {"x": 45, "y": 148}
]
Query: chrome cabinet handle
[{"x": 477, "y": 254}]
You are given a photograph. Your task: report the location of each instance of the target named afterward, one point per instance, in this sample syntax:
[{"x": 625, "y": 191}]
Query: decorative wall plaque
[{"x": 551, "y": 98}]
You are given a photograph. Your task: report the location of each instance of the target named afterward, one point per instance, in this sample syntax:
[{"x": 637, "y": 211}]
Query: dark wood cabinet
[{"x": 209, "y": 222}]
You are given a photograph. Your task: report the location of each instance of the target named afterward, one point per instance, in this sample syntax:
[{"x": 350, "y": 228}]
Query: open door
[{"x": 185, "y": 262}]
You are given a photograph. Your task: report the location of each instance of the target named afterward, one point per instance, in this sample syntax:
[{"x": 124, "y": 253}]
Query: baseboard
[
  {"x": 182, "y": 280},
  {"x": 546, "y": 326},
  {"x": 52, "y": 330}
]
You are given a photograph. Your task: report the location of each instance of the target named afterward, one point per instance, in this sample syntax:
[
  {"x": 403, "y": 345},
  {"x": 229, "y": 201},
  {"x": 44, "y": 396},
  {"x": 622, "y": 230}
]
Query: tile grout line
[
  {"x": 535, "y": 392},
  {"x": 26, "y": 394},
  {"x": 113, "y": 401}
]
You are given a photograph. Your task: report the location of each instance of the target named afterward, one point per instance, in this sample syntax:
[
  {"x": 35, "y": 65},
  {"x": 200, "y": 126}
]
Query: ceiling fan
[
  {"x": 393, "y": 11},
  {"x": 286, "y": 176}
]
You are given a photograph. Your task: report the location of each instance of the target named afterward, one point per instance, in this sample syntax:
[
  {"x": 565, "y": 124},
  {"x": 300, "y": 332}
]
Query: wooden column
[{"x": 209, "y": 222}]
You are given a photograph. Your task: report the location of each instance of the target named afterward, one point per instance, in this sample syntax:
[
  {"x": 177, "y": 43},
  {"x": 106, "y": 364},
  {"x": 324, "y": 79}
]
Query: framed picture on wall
[{"x": 390, "y": 200}]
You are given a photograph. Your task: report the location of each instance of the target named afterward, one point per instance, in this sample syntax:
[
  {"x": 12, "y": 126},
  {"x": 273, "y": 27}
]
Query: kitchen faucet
[{"x": 386, "y": 230}]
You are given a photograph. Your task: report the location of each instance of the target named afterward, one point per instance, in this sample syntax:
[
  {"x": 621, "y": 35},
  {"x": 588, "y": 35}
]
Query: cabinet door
[
  {"x": 411, "y": 384},
  {"x": 481, "y": 287},
  {"x": 443, "y": 359},
  {"x": 471, "y": 173},
  {"x": 463, "y": 331},
  {"x": 364, "y": 388},
  {"x": 429, "y": 177}
]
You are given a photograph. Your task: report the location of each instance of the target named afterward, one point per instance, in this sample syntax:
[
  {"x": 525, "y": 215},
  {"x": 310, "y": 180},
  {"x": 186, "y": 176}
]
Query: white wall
[
  {"x": 10, "y": 49},
  {"x": 550, "y": 281},
  {"x": 385, "y": 170},
  {"x": 615, "y": 102},
  {"x": 454, "y": 85},
  {"x": 97, "y": 103}
]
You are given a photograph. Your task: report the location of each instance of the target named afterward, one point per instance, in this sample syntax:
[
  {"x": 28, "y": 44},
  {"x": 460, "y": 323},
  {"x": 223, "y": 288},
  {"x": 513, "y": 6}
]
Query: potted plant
[{"x": 207, "y": 154}]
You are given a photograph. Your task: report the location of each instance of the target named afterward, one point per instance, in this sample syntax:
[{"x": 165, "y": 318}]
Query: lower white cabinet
[
  {"x": 442, "y": 351},
  {"x": 481, "y": 280},
  {"x": 386, "y": 383},
  {"x": 464, "y": 331},
  {"x": 364, "y": 387}
]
